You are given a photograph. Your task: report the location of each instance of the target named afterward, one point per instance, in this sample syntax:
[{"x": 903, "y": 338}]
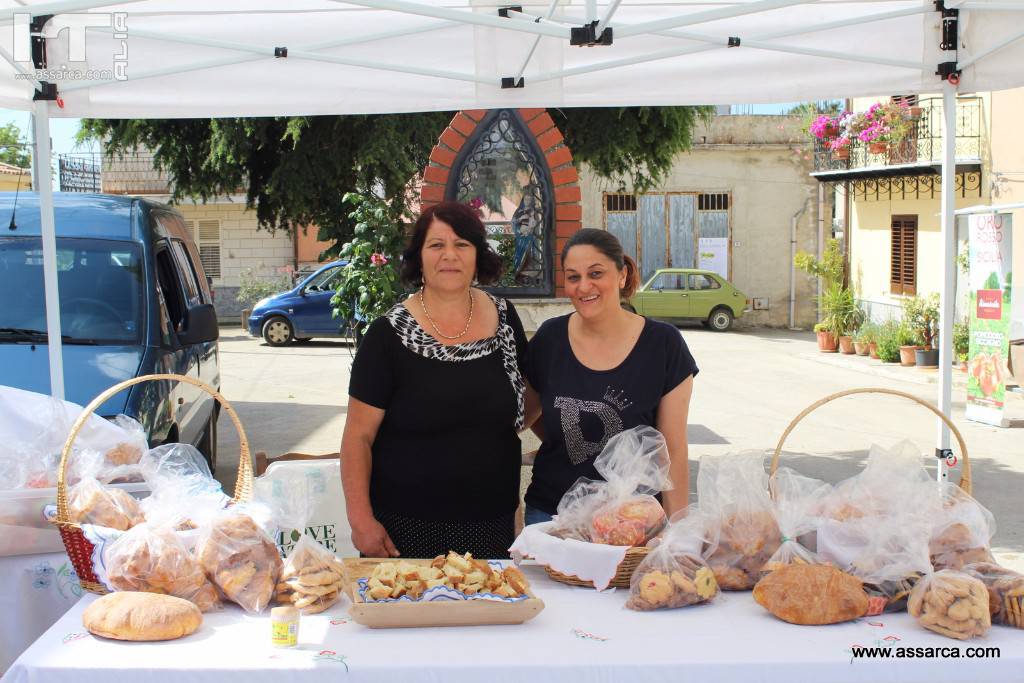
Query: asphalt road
[{"x": 750, "y": 387}]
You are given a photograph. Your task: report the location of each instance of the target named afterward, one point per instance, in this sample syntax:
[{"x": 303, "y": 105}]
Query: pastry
[
  {"x": 313, "y": 578},
  {"x": 156, "y": 561},
  {"x": 124, "y": 454},
  {"x": 746, "y": 543},
  {"x": 957, "y": 546},
  {"x": 671, "y": 581},
  {"x": 952, "y": 604},
  {"x": 630, "y": 523},
  {"x": 93, "y": 503},
  {"x": 1005, "y": 592},
  {"x": 812, "y": 594},
  {"x": 240, "y": 560},
  {"x": 141, "y": 617}
]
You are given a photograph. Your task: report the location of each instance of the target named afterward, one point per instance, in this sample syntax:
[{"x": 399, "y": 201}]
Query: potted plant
[
  {"x": 887, "y": 348},
  {"x": 908, "y": 344},
  {"x": 961, "y": 343},
  {"x": 827, "y": 341},
  {"x": 922, "y": 317},
  {"x": 881, "y": 125},
  {"x": 840, "y": 314},
  {"x": 863, "y": 339}
]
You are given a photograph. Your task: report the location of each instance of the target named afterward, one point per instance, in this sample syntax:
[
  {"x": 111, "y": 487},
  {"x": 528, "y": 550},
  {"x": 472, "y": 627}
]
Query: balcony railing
[
  {"x": 95, "y": 172},
  {"x": 921, "y": 149}
]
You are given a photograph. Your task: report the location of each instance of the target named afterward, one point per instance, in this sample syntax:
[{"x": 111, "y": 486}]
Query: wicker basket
[
  {"x": 78, "y": 547},
  {"x": 965, "y": 474},
  {"x": 634, "y": 556}
]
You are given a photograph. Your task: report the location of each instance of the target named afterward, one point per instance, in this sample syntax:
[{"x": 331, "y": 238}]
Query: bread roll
[{"x": 141, "y": 617}]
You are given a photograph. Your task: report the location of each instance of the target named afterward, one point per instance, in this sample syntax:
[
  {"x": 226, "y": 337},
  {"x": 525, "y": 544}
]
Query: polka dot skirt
[{"x": 486, "y": 539}]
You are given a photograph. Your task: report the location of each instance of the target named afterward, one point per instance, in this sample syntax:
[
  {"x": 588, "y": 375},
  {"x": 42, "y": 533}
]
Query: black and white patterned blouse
[{"x": 447, "y": 450}]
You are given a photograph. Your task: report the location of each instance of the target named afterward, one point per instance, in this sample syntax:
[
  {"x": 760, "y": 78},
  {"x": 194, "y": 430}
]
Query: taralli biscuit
[
  {"x": 952, "y": 604},
  {"x": 314, "y": 578}
]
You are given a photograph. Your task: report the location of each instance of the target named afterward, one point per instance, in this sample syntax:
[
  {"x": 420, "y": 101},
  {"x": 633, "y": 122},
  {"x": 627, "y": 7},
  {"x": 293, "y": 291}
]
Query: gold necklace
[{"x": 465, "y": 329}]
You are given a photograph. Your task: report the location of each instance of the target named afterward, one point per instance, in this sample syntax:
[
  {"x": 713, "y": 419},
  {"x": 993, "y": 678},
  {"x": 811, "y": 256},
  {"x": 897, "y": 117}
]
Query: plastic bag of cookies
[
  {"x": 675, "y": 573},
  {"x": 962, "y": 532},
  {"x": 733, "y": 489},
  {"x": 239, "y": 558},
  {"x": 797, "y": 501},
  {"x": 155, "y": 560},
  {"x": 94, "y": 503},
  {"x": 952, "y": 604},
  {"x": 622, "y": 509},
  {"x": 1005, "y": 592}
]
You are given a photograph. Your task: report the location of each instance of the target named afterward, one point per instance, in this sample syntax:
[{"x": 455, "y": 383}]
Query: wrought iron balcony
[
  {"x": 95, "y": 172},
  {"x": 920, "y": 152}
]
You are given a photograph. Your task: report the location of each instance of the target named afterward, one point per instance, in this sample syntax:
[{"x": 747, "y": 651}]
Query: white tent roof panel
[{"x": 193, "y": 58}]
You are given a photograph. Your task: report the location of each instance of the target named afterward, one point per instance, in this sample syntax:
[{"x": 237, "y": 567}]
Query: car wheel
[
  {"x": 628, "y": 306},
  {"x": 720, "y": 319},
  {"x": 208, "y": 442},
  {"x": 278, "y": 331}
]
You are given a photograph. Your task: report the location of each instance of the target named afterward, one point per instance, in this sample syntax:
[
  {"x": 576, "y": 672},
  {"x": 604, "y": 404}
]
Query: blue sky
[{"x": 62, "y": 131}]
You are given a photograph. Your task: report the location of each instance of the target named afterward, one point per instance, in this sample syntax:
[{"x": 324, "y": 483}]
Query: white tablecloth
[
  {"x": 35, "y": 590},
  {"x": 580, "y": 636}
]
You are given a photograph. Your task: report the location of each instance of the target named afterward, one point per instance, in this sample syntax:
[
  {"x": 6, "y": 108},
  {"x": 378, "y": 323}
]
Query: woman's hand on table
[{"x": 372, "y": 540}]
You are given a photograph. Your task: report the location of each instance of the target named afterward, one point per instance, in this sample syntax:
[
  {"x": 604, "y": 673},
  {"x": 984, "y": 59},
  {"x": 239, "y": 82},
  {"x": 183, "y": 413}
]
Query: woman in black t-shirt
[
  {"x": 602, "y": 370},
  {"x": 431, "y": 453}
]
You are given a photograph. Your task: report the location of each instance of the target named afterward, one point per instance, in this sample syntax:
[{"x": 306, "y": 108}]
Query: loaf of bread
[
  {"x": 141, "y": 617},
  {"x": 812, "y": 594}
]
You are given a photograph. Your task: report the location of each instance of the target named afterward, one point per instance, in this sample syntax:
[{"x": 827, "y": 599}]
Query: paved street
[{"x": 751, "y": 385}]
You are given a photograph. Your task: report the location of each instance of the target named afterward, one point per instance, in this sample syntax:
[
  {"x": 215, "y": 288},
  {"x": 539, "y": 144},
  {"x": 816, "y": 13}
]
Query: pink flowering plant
[
  {"x": 888, "y": 122},
  {"x": 369, "y": 284},
  {"x": 825, "y": 127}
]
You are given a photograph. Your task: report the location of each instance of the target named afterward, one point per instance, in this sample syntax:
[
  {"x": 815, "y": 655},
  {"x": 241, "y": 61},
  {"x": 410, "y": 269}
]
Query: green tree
[
  {"x": 295, "y": 171},
  {"x": 13, "y": 148}
]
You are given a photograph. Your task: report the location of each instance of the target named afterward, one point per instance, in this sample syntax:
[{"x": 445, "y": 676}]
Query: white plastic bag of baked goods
[
  {"x": 675, "y": 573},
  {"x": 1005, "y": 592},
  {"x": 154, "y": 559},
  {"x": 893, "y": 482},
  {"x": 888, "y": 553},
  {"x": 951, "y": 603},
  {"x": 239, "y": 558},
  {"x": 962, "y": 532},
  {"x": 184, "y": 492},
  {"x": 91, "y": 502},
  {"x": 621, "y": 510},
  {"x": 797, "y": 500},
  {"x": 313, "y": 578},
  {"x": 733, "y": 489}
]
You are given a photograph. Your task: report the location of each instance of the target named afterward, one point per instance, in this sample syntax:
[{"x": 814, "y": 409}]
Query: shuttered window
[
  {"x": 619, "y": 202},
  {"x": 207, "y": 235},
  {"x": 903, "y": 252}
]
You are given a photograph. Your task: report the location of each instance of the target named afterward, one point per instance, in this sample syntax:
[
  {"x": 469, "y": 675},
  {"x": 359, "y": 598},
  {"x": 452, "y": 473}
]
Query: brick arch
[{"x": 564, "y": 178}]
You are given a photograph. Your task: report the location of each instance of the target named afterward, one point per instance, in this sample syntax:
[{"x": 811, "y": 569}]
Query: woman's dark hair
[
  {"x": 467, "y": 225},
  {"x": 607, "y": 244}
]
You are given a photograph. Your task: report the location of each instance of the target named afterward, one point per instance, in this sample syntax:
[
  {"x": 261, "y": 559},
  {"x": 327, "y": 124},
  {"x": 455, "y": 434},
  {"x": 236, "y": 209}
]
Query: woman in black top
[
  {"x": 602, "y": 370},
  {"x": 431, "y": 451}
]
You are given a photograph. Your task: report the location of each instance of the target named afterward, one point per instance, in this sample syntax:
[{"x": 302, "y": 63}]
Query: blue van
[
  {"x": 133, "y": 301},
  {"x": 301, "y": 313}
]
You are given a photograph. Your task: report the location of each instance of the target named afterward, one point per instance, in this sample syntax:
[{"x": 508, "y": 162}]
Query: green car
[{"x": 688, "y": 294}]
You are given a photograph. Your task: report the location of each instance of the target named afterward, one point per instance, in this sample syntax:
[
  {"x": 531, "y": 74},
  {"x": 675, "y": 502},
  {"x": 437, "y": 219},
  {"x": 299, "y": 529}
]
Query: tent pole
[
  {"x": 41, "y": 164},
  {"x": 948, "y": 295},
  {"x": 591, "y": 8}
]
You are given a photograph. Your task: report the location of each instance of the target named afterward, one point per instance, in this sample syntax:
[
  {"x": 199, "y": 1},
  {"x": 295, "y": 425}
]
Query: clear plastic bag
[
  {"x": 239, "y": 558},
  {"x": 1005, "y": 592},
  {"x": 313, "y": 579},
  {"x": 621, "y": 510},
  {"x": 797, "y": 500},
  {"x": 155, "y": 560},
  {"x": 733, "y": 490},
  {"x": 91, "y": 502},
  {"x": 962, "y": 532},
  {"x": 952, "y": 604},
  {"x": 675, "y": 573}
]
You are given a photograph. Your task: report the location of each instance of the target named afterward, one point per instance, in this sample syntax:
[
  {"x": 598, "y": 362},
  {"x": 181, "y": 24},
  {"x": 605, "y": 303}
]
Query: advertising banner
[{"x": 991, "y": 280}]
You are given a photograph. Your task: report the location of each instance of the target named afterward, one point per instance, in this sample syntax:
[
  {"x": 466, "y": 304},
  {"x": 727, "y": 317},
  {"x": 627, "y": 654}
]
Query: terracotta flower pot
[
  {"x": 861, "y": 348},
  {"x": 907, "y": 356},
  {"x": 827, "y": 342},
  {"x": 916, "y": 112},
  {"x": 878, "y": 147},
  {"x": 841, "y": 153},
  {"x": 846, "y": 345},
  {"x": 873, "y": 350}
]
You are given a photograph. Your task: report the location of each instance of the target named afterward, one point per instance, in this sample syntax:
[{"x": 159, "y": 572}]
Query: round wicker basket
[
  {"x": 79, "y": 549},
  {"x": 634, "y": 556}
]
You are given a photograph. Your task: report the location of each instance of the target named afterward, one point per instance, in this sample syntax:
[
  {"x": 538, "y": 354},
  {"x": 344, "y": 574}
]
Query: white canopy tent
[{"x": 218, "y": 58}]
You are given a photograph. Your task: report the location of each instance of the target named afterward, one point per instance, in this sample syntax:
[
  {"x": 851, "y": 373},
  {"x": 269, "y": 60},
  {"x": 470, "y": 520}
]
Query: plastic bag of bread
[
  {"x": 622, "y": 509},
  {"x": 797, "y": 500},
  {"x": 152, "y": 559},
  {"x": 812, "y": 594},
  {"x": 674, "y": 573},
  {"x": 962, "y": 532},
  {"x": 94, "y": 503},
  {"x": 313, "y": 579},
  {"x": 952, "y": 604},
  {"x": 239, "y": 558},
  {"x": 889, "y": 554},
  {"x": 184, "y": 493},
  {"x": 733, "y": 489},
  {"x": 1005, "y": 592}
]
